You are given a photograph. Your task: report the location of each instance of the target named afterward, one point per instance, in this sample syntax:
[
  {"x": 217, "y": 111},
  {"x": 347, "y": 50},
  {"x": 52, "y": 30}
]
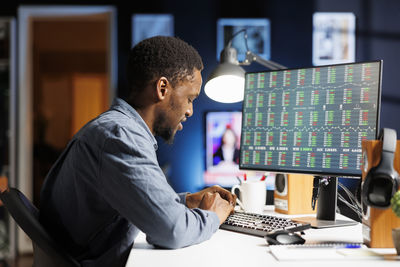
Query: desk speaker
[
  {"x": 293, "y": 193},
  {"x": 377, "y": 223}
]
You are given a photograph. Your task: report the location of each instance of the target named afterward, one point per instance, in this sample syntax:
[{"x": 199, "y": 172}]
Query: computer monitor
[
  {"x": 222, "y": 165},
  {"x": 311, "y": 121},
  {"x": 222, "y": 132}
]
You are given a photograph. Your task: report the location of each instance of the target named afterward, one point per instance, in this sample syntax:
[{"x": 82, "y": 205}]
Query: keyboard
[{"x": 260, "y": 225}]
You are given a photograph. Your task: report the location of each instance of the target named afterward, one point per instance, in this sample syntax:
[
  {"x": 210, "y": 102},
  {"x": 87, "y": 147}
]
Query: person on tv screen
[
  {"x": 228, "y": 152},
  {"x": 107, "y": 185}
]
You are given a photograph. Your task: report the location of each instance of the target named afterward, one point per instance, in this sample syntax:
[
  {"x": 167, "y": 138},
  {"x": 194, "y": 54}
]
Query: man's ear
[{"x": 163, "y": 88}]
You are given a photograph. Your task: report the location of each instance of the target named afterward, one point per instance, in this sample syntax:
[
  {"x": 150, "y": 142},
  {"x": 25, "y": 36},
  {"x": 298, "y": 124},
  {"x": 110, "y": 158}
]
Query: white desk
[{"x": 227, "y": 248}]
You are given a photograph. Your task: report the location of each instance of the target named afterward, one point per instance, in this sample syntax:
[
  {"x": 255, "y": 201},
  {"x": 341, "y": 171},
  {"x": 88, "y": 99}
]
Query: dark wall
[
  {"x": 378, "y": 37},
  {"x": 196, "y": 23}
]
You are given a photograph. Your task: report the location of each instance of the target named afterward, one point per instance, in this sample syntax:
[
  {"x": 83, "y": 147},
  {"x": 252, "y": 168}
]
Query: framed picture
[
  {"x": 149, "y": 25},
  {"x": 333, "y": 38},
  {"x": 258, "y": 36}
]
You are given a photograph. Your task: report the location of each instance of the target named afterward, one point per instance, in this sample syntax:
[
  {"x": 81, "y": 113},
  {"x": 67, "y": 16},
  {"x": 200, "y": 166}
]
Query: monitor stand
[{"x": 326, "y": 206}]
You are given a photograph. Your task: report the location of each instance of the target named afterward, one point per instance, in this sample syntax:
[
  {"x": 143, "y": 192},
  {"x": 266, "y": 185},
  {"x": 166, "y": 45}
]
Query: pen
[
  {"x": 245, "y": 177},
  {"x": 326, "y": 246},
  {"x": 350, "y": 246}
]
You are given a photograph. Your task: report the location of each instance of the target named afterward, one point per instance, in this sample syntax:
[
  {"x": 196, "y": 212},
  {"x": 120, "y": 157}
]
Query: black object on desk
[
  {"x": 261, "y": 225},
  {"x": 284, "y": 237}
]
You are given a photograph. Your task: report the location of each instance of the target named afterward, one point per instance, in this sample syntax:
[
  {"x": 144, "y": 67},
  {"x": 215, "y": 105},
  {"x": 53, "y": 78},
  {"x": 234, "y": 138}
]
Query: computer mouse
[{"x": 284, "y": 238}]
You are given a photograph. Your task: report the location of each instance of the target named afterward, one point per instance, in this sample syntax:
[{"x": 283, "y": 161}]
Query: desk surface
[{"x": 227, "y": 248}]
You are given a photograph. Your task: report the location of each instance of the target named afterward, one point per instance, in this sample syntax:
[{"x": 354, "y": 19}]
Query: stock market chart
[{"x": 310, "y": 120}]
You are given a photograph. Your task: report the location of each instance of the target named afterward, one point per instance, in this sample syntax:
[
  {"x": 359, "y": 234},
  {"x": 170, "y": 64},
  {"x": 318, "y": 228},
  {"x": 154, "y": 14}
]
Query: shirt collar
[{"x": 122, "y": 106}]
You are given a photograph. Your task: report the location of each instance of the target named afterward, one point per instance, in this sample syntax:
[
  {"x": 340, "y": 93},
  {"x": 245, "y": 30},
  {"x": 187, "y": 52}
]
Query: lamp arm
[
  {"x": 250, "y": 57},
  {"x": 236, "y": 34}
]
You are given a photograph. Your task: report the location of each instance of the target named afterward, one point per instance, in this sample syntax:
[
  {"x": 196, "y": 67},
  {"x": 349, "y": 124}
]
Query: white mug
[{"x": 252, "y": 196}]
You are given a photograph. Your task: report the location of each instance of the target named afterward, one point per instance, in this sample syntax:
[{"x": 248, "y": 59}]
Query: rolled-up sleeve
[
  {"x": 133, "y": 184},
  {"x": 182, "y": 197}
]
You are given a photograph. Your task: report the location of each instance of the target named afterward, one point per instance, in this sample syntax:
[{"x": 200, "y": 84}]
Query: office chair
[{"x": 46, "y": 252}]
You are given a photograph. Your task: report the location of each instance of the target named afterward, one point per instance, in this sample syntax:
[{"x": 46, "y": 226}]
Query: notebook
[{"x": 337, "y": 251}]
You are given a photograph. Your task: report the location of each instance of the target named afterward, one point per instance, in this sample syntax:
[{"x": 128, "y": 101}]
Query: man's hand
[
  {"x": 214, "y": 202},
  {"x": 193, "y": 200}
]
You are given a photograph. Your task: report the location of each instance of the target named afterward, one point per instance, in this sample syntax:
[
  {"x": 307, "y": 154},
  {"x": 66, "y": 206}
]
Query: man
[{"x": 107, "y": 185}]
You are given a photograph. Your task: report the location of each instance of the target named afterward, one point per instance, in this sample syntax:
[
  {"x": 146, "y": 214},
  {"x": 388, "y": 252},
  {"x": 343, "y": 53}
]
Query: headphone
[{"x": 382, "y": 181}]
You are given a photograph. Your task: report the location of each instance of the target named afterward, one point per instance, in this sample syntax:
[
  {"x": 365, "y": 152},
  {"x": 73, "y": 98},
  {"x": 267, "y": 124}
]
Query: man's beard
[{"x": 162, "y": 130}]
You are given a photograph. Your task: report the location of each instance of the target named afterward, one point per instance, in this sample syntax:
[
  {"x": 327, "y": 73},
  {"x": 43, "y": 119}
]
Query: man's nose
[{"x": 189, "y": 111}]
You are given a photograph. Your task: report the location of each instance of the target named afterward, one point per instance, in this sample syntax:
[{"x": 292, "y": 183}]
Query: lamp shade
[{"x": 226, "y": 83}]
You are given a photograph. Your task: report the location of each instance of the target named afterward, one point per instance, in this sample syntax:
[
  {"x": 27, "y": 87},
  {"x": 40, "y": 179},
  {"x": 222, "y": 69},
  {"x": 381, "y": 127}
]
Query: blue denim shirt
[{"x": 107, "y": 185}]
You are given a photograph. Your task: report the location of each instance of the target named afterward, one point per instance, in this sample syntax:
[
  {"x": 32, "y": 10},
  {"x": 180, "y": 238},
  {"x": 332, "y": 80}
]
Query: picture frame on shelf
[
  {"x": 333, "y": 38},
  {"x": 258, "y": 36},
  {"x": 148, "y": 25}
]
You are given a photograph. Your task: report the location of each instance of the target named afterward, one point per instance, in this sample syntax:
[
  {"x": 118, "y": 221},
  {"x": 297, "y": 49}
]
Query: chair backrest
[{"x": 46, "y": 250}]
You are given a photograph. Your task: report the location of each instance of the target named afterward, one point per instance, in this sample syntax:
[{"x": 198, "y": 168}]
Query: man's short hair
[{"x": 161, "y": 56}]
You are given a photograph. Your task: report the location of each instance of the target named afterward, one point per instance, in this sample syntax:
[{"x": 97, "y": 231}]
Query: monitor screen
[
  {"x": 310, "y": 120},
  {"x": 222, "y": 141},
  {"x": 222, "y": 133}
]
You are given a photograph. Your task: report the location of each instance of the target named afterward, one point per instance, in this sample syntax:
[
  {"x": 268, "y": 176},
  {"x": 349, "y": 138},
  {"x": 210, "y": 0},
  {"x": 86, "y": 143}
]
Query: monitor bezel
[{"x": 322, "y": 173}]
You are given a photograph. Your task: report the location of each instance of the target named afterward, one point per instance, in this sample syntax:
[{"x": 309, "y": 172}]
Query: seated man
[{"x": 107, "y": 184}]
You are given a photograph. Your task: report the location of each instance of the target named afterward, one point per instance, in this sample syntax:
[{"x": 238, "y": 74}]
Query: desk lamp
[{"x": 226, "y": 82}]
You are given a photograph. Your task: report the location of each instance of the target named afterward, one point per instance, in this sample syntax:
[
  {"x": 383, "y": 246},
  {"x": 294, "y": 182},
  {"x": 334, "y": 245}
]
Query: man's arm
[
  {"x": 182, "y": 197},
  {"x": 134, "y": 185}
]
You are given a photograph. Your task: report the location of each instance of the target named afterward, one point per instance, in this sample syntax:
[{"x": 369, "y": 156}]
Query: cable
[
  {"x": 341, "y": 198},
  {"x": 355, "y": 209},
  {"x": 349, "y": 194},
  {"x": 355, "y": 205}
]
